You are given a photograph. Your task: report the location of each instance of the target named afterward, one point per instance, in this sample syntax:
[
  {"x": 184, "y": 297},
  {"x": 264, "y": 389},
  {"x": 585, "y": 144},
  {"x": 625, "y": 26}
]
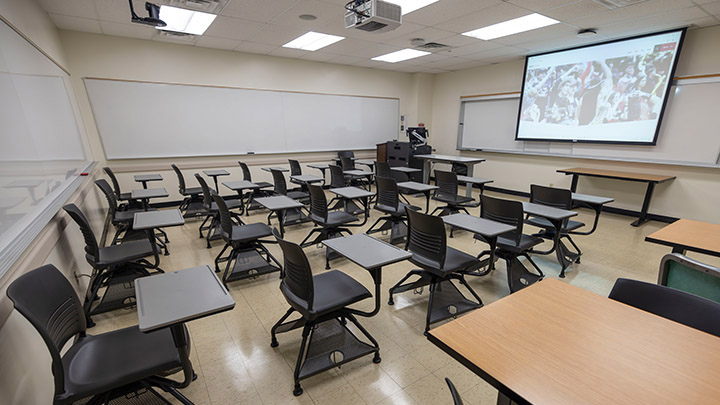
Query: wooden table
[
  {"x": 686, "y": 234},
  {"x": 650, "y": 179},
  {"x": 552, "y": 343}
]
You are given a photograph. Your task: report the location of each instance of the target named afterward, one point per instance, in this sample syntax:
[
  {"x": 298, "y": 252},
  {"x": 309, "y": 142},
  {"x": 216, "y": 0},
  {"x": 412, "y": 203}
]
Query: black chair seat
[
  {"x": 193, "y": 191},
  {"x": 335, "y": 218},
  {"x": 117, "y": 358},
  {"x": 249, "y": 232},
  {"x": 333, "y": 291},
  {"x": 127, "y": 216},
  {"x": 457, "y": 199},
  {"x": 263, "y": 184},
  {"x": 545, "y": 223},
  {"x": 125, "y": 252},
  {"x": 526, "y": 242},
  {"x": 234, "y": 203},
  {"x": 400, "y": 211},
  {"x": 455, "y": 260},
  {"x": 298, "y": 195}
]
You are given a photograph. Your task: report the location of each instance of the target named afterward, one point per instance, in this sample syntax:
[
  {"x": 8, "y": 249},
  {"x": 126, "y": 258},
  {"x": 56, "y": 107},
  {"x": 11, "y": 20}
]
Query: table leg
[
  {"x": 376, "y": 274},
  {"x": 427, "y": 201},
  {"x": 426, "y": 171},
  {"x": 573, "y": 185},
  {"x": 469, "y": 186},
  {"x": 678, "y": 249},
  {"x": 151, "y": 237},
  {"x": 281, "y": 218},
  {"x": 217, "y": 190},
  {"x": 646, "y": 205}
]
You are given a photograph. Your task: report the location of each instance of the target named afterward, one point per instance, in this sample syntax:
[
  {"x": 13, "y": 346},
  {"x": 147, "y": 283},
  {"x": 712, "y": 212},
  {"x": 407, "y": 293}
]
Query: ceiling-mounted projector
[
  {"x": 153, "y": 18},
  {"x": 372, "y": 15}
]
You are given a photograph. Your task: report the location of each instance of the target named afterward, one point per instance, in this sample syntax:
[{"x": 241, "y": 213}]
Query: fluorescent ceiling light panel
[
  {"x": 187, "y": 21},
  {"x": 312, "y": 41},
  {"x": 401, "y": 55},
  {"x": 510, "y": 27},
  {"x": 408, "y": 6}
]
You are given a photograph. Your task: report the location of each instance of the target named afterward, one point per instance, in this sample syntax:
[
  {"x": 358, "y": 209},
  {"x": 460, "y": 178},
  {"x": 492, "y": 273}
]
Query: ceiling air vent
[
  {"x": 175, "y": 36},
  {"x": 619, "y": 3},
  {"x": 433, "y": 46}
]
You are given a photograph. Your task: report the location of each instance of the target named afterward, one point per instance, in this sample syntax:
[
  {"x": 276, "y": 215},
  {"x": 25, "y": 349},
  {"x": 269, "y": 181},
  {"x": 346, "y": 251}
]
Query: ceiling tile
[
  {"x": 256, "y": 10},
  {"x": 318, "y": 56},
  {"x": 345, "y": 60},
  {"x": 233, "y": 28},
  {"x": 701, "y": 2},
  {"x": 274, "y": 35},
  {"x": 539, "y": 5},
  {"x": 550, "y": 32},
  {"x": 254, "y": 47},
  {"x": 712, "y": 8},
  {"x": 347, "y": 46},
  {"x": 705, "y": 22},
  {"x": 467, "y": 65},
  {"x": 488, "y": 16},
  {"x": 288, "y": 52},
  {"x": 447, "y": 62},
  {"x": 76, "y": 23},
  {"x": 217, "y": 43},
  {"x": 323, "y": 11},
  {"x": 494, "y": 53},
  {"x": 118, "y": 11},
  {"x": 428, "y": 34},
  {"x": 582, "y": 8},
  {"x": 428, "y": 70},
  {"x": 127, "y": 30},
  {"x": 445, "y": 10},
  {"x": 478, "y": 46},
  {"x": 75, "y": 8}
]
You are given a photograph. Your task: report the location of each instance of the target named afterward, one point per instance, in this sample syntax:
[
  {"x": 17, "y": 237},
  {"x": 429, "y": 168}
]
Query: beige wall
[
  {"x": 30, "y": 19},
  {"x": 694, "y": 194}
]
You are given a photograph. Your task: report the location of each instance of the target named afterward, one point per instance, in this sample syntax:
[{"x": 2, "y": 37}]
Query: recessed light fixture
[
  {"x": 307, "y": 17},
  {"x": 408, "y": 6},
  {"x": 510, "y": 27},
  {"x": 187, "y": 21},
  {"x": 401, "y": 55},
  {"x": 312, "y": 41}
]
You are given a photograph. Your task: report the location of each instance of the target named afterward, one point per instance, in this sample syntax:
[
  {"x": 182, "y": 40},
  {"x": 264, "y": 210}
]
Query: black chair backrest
[
  {"x": 246, "y": 171},
  {"x": 109, "y": 196},
  {"x": 295, "y": 169},
  {"x": 551, "y": 196},
  {"x": 181, "y": 179},
  {"x": 387, "y": 193},
  {"x": 207, "y": 194},
  {"x": 337, "y": 177},
  {"x": 279, "y": 181},
  {"x": 426, "y": 237},
  {"x": 92, "y": 252},
  {"x": 346, "y": 153},
  {"x": 455, "y": 395},
  {"x": 297, "y": 273},
  {"x": 318, "y": 204},
  {"x": 47, "y": 300},
  {"x": 113, "y": 179},
  {"x": 447, "y": 183},
  {"x": 347, "y": 163},
  {"x": 226, "y": 222},
  {"x": 382, "y": 169},
  {"x": 679, "y": 306},
  {"x": 459, "y": 168},
  {"x": 505, "y": 211}
]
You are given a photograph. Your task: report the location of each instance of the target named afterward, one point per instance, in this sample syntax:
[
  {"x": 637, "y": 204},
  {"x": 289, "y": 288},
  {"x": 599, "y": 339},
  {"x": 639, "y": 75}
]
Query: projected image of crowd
[{"x": 591, "y": 93}]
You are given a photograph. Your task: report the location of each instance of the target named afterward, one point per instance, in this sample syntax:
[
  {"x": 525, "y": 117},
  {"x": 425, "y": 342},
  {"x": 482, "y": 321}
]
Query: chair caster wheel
[
  {"x": 297, "y": 391},
  {"x": 274, "y": 343},
  {"x": 577, "y": 260},
  {"x": 377, "y": 359},
  {"x": 194, "y": 377},
  {"x": 391, "y": 302}
]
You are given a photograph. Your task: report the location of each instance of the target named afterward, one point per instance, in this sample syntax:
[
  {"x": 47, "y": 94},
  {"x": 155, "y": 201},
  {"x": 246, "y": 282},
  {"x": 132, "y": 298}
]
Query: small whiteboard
[{"x": 151, "y": 120}]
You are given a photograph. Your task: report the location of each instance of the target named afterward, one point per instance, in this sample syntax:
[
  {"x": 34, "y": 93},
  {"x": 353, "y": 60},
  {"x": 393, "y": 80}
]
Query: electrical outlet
[{"x": 552, "y": 185}]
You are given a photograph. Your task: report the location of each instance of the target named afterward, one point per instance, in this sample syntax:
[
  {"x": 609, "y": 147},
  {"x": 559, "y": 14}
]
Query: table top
[
  {"x": 306, "y": 178},
  {"x": 148, "y": 177},
  {"x": 591, "y": 199},
  {"x": 404, "y": 169},
  {"x": 356, "y": 248},
  {"x": 691, "y": 235},
  {"x": 216, "y": 172},
  {"x": 280, "y": 169},
  {"x": 613, "y": 174},
  {"x": 474, "y": 180},
  {"x": 450, "y": 158},
  {"x": 179, "y": 296},
  {"x": 319, "y": 165},
  {"x": 357, "y": 172},
  {"x": 351, "y": 192},
  {"x": 157, "y": 219},
  {"x": 149, "y": 193},
  {"x": 278, "y": 202},
  {"x": 482, "y": 226},
  {"x": 553, "y": 343},
  {"x": 415, "y": 186},
  {"x": 547, "y": 212},
  {"x": 239, "y": 185},
  {"x": 29, "y": 183}
]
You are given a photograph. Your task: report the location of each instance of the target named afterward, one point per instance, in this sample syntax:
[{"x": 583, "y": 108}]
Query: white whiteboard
[
  {"x": 149, "y": 120},
  {"x": 688, "y": 133}
]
